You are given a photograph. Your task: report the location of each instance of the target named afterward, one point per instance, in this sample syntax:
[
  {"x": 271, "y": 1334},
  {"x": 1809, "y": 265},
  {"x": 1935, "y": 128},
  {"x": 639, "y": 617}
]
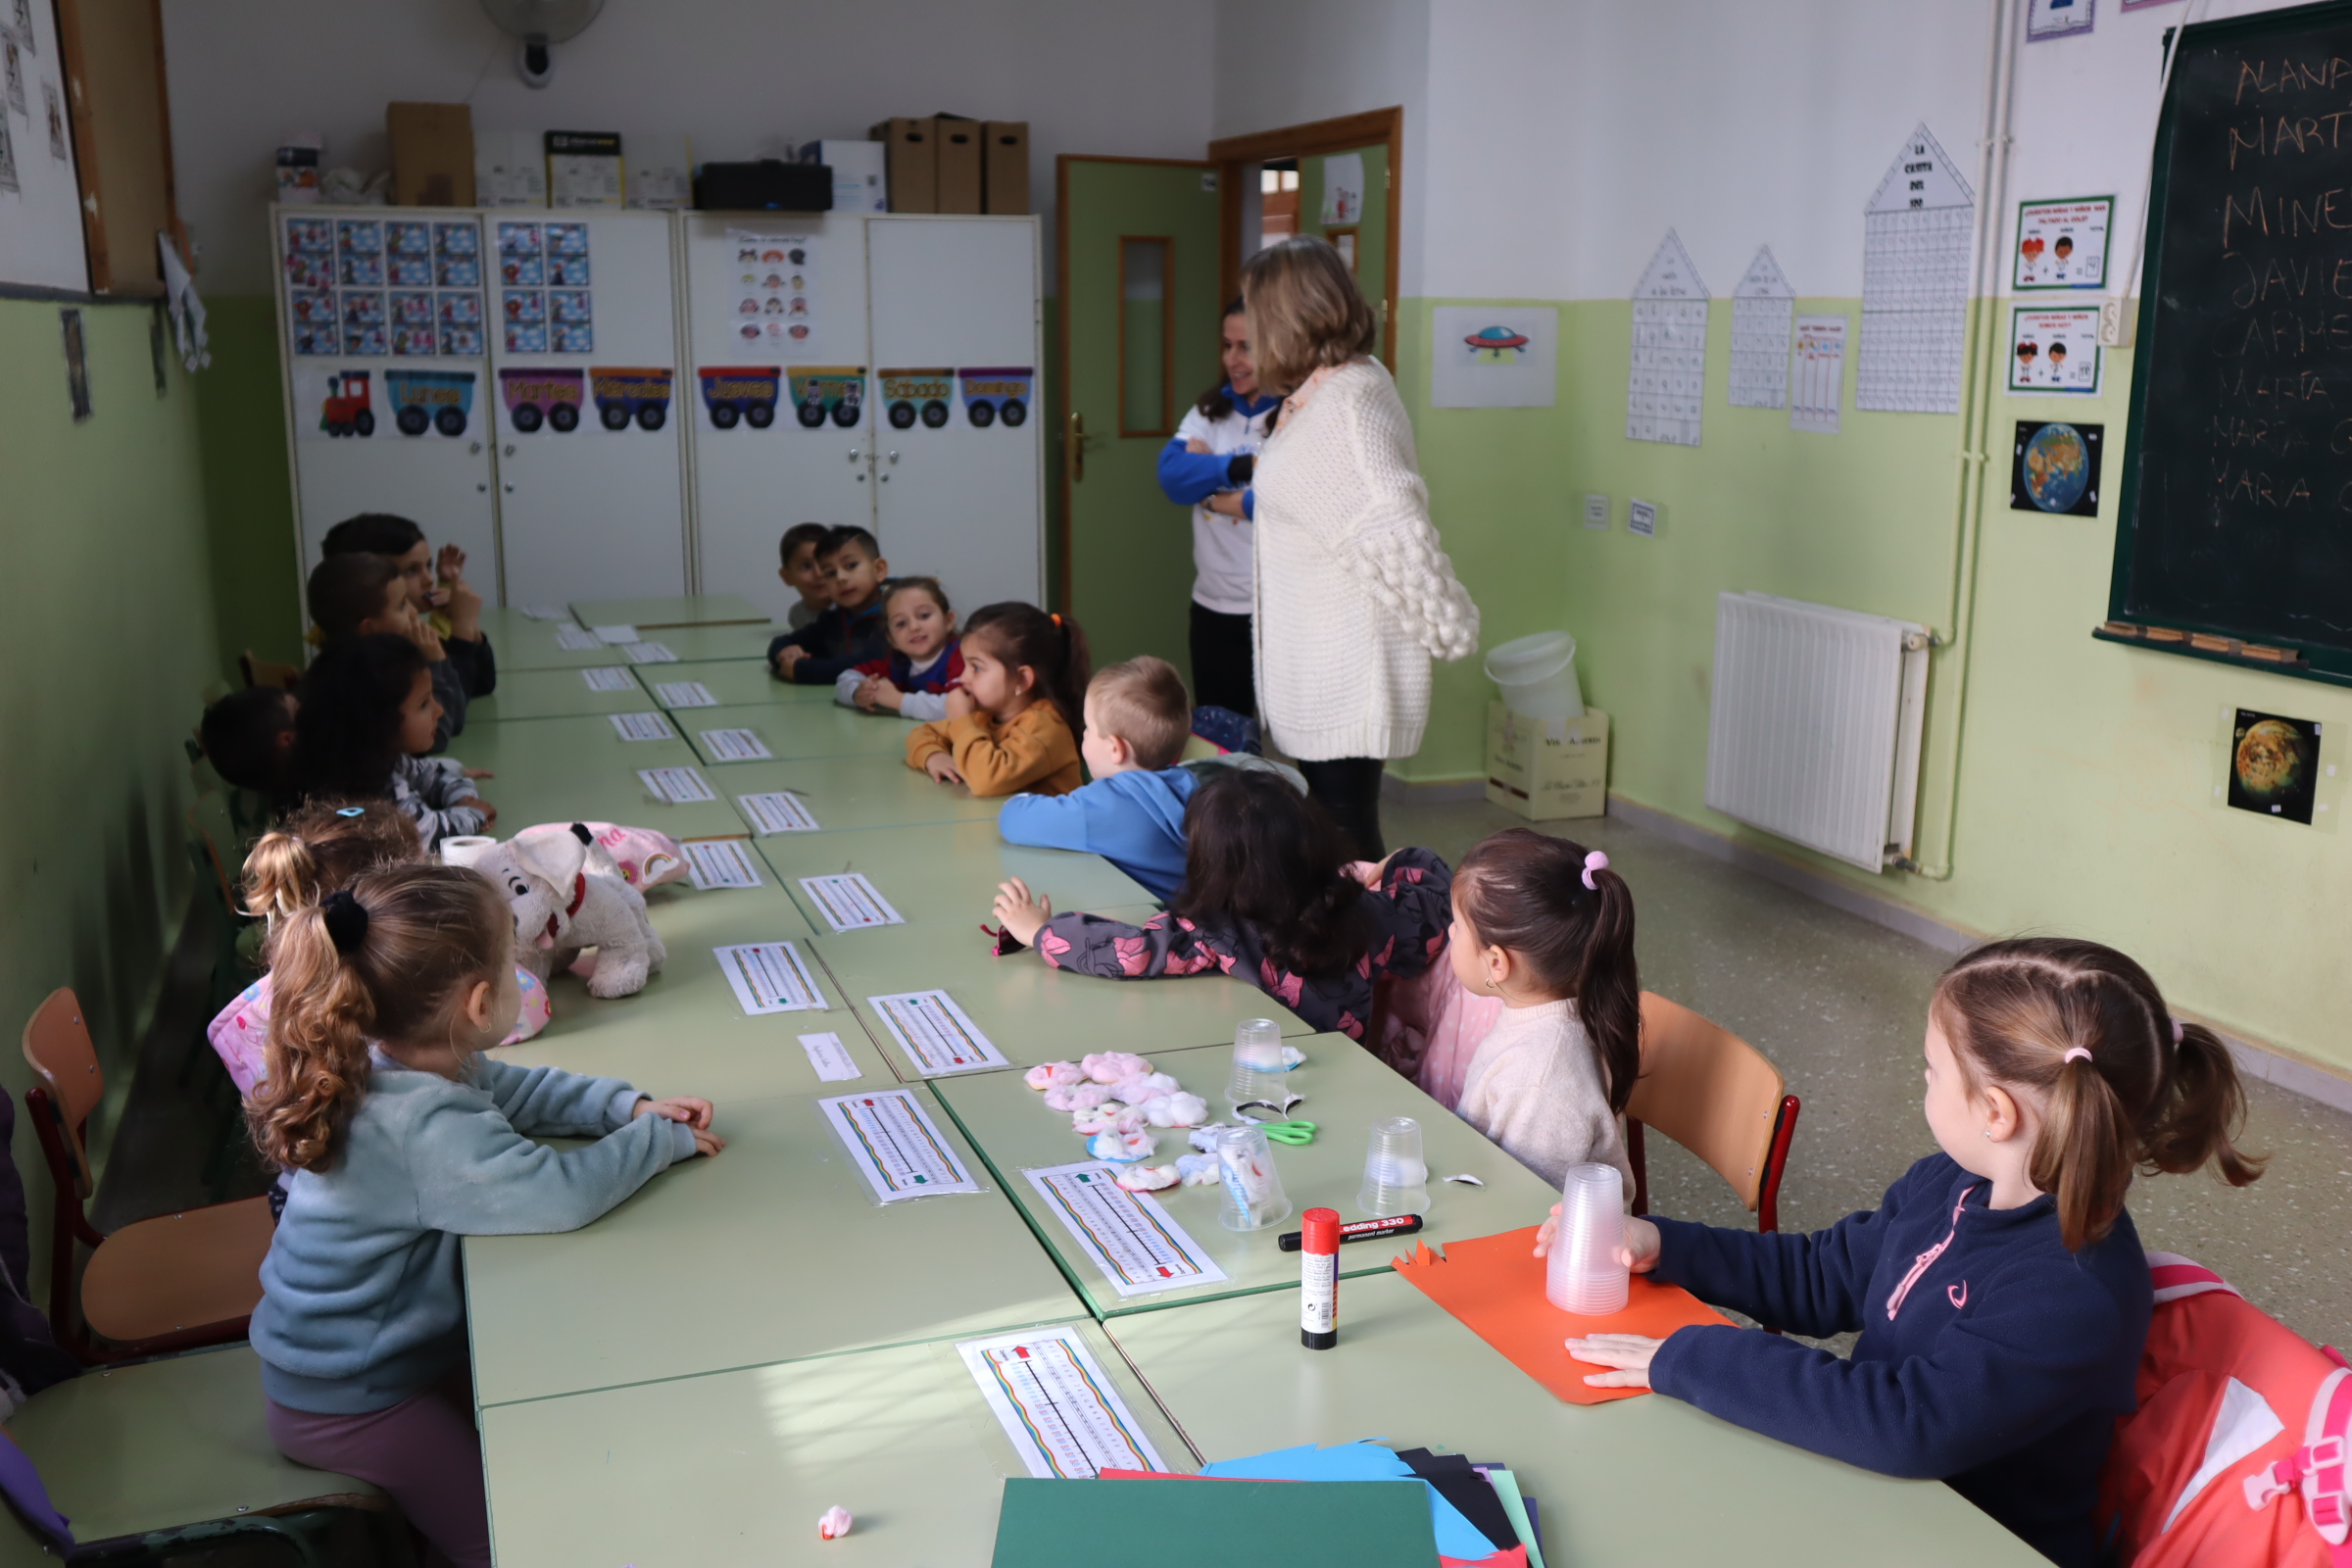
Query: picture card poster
[
  {"x": 1917, "y": 231},
  {"x": 2054, "y": 352},
  {"x": 2274, "y": 764},
  {"x": 2062, "y": 244},
  {"x": 1494, "y": 357},
  {"x": 2054, "y": 467},
  {"x": 771, "y": 299}
]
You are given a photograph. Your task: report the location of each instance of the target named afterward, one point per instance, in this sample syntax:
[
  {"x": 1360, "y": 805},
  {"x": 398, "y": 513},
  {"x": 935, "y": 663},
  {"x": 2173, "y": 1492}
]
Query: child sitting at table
[
  {"x": 851, "y": 631},
  {"x": 1138, "y": 718},
  {"x": 248, "y": 737},
  {"x": 363, "y": 728},
  {"x": 2000, "y": 1289},
  {"x": 449, "y": 607},
  {"x": 1013, "y": 723},
  {"x": 363, "y": 595},
  {"x": 925, "y": 660},
  {"x": 1270, "y": 896},
  {"x": 404, "y": 1140},
  {"x": 803, "y": 573},
  {"x": 1545, "y": 927}
]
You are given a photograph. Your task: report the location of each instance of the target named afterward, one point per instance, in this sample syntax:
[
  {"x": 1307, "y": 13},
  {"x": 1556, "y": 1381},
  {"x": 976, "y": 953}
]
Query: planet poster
[
  {"x": 2274, "y": 764},
  {"x": 2054, "y": 467}
]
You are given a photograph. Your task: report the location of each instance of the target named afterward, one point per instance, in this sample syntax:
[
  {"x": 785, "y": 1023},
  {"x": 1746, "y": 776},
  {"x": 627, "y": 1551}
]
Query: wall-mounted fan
[{"x": 539, "y": 24}]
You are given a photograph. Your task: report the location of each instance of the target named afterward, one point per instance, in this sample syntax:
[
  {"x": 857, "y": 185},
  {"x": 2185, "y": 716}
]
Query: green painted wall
[
  {"x": 109, "y": 642},
  {"x": 248, "y": 494},
  {"x": 2087, "y": 771}
]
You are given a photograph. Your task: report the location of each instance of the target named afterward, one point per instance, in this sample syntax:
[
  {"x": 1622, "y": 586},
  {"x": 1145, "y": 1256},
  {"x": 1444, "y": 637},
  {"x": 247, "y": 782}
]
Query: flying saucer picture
[{"x": 1495, "y": 345}]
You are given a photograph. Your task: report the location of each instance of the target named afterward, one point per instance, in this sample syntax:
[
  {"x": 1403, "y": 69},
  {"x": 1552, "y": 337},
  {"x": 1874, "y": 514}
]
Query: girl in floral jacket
[{"x": 1270, "y": 896}]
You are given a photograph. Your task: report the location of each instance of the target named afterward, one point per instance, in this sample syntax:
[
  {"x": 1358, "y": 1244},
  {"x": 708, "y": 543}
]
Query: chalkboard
[{"x": 2234, "y": 534}]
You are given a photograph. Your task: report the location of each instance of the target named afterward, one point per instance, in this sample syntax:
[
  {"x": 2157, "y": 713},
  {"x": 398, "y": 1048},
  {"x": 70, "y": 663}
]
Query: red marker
[{"x": 1319, "y": 1292}]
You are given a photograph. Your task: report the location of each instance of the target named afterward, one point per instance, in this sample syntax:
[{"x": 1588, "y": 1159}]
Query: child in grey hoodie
[{"x": 402, "y": 1141}]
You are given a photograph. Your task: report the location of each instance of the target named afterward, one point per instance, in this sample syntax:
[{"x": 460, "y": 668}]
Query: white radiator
[{"x": 1814, "y": 732}]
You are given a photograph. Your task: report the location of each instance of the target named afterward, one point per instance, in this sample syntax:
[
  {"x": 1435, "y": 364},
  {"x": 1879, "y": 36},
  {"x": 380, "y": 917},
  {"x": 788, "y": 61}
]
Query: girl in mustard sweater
[{"x": 1013, "y": 723}]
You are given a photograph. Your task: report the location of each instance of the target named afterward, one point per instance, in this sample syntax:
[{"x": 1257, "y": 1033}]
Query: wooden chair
[
  {"x": 267, "y": 671},
  {"x": 1718, "y": 1097},
  {"x": 170, "y": 1283}
]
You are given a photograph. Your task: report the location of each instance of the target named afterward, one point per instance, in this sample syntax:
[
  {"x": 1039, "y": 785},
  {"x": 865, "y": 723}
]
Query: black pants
[
  {"x": 1349, "y": 788},
  {"x": 1224, "y": 667}
]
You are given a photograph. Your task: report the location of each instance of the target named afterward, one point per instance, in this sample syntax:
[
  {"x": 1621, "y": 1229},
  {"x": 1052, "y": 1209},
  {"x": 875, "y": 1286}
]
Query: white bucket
[{"x": 1537, "y": 675}]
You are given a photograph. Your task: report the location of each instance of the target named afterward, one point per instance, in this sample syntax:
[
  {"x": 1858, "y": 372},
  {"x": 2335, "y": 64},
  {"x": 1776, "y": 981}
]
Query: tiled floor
[{"x": 1840, "y": 1004}]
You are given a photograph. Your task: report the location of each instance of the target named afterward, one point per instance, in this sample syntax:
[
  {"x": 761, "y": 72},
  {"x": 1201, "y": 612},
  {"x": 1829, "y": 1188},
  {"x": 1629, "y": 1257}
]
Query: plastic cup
[
  {"x": 1583, "y": 1274},
  {"x": 1257, "y": 1063},
  {"x": 1253, "y": 1196},
  {"x": 1395, "y": 1179}
]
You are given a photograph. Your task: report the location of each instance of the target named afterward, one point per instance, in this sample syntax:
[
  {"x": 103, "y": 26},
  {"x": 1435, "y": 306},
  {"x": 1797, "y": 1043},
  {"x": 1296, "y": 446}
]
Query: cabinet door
[
  {"x": 380, "y": 317},
  {"x": 954, "y": 313},
  {"x": 782, "y": 420},
  {"x": 585, "y": 350}
]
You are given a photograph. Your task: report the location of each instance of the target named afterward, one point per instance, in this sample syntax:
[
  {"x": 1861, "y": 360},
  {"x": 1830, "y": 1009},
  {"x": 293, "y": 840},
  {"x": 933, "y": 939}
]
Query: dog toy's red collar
[{"x": 579, "y": 894}]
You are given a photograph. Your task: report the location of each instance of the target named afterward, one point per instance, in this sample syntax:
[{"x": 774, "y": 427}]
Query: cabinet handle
[
  {"x": 483, "y": 487},
  {"x": 509, "y": 449},
  {"x": 510, "y": 487},
  {"x": 476, "y": 448}
]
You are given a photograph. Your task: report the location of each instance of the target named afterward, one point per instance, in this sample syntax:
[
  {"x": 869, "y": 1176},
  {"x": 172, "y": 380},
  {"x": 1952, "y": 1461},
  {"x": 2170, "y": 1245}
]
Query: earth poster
[
  {"x": 2274, "y": 764},
  {"x": 2055, "y": 468}
]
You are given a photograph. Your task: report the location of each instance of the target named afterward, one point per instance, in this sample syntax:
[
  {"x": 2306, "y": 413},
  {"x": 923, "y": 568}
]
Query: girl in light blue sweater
[{"x": 403, "y": 1140}]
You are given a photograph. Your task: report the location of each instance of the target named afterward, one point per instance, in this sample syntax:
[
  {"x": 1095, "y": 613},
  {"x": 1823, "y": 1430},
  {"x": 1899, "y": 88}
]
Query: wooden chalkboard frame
[{"x": 2215, "y": 643}]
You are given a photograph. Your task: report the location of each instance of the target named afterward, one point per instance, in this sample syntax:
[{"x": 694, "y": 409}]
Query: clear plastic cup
[
  {"x": 1257, "y": 1063},
  {"x": 1395, "y": 1179},
  {"x": 1253, "y": 1196},
  {"x": 1583, "y": 1274}
]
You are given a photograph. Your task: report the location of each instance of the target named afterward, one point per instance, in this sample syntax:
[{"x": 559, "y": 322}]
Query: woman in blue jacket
[{"x": 1207, "y": 467}]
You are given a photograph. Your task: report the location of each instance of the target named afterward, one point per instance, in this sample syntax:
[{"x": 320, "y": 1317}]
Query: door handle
[{"x": 1077, "y": 445}]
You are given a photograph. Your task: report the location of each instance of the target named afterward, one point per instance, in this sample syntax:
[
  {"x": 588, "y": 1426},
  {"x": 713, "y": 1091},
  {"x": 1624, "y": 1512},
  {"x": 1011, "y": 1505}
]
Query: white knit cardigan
[{"x": 1353, "y": 595}]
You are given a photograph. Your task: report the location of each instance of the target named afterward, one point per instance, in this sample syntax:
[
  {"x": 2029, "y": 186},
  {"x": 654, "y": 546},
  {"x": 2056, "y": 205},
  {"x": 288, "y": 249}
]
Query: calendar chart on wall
[{"x": 1917, "y": 234}]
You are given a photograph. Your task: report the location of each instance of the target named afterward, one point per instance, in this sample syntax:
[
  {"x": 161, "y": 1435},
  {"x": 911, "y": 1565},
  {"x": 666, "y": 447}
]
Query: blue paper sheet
[{"x": 1358, "y": 1461}]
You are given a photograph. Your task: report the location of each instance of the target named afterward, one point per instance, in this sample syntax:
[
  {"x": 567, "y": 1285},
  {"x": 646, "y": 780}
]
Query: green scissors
[{"x": 1292, "y": 1133}]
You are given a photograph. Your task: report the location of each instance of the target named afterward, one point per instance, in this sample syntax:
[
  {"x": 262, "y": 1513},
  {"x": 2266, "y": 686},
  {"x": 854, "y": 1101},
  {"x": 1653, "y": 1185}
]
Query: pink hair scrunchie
[
  {"x": 2179, "y": 1029},
  {"x": 1594, "y": 861},
  {"x": 2075, "y": 1054}
]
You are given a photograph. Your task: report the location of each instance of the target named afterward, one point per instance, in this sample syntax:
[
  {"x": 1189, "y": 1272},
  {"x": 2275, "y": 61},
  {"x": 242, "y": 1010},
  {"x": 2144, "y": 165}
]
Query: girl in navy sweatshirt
[{"x": 2000, "y": 1286}]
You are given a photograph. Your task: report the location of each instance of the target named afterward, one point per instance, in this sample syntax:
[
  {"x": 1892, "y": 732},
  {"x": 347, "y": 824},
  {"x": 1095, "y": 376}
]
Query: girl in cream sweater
[
  {"x": 1546, "y": 927},
  {"x": 1012, "y": 722}
]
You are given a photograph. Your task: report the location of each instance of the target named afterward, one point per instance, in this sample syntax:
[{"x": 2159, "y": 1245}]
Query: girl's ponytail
[
  {"x": 321, "y": 1016},
  {"x": 2083, "y": 1154},
  {"x": 2198, "y": 1120},
  {"x": 321, "y": 847},
  {"x": 1608, "y": 985},
  {"x": 281, "y": 876}
]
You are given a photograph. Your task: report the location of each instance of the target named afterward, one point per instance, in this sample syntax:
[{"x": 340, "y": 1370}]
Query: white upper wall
[{"x": 742, "y": 77}]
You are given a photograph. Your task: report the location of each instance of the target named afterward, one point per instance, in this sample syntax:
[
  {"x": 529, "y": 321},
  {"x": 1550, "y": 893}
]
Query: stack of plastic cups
[
  {"x": 1396, "y": 1180},
  {"x": 1257, "y": 1063},
  {"x": 1253, "y": 1196},
  {"x": 1583, "y": 1275}
]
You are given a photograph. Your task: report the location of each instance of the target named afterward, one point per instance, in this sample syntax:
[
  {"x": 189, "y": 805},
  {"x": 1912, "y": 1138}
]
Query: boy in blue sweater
[
  {"x": 1138, "y": 716},
  {"x": 2000, "y": 1289}
]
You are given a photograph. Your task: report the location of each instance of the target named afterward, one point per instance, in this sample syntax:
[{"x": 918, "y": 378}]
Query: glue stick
[{"x": 1319, "y": 1290}]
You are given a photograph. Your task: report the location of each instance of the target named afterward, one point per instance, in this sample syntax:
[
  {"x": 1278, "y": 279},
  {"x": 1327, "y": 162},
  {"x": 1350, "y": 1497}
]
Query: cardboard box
[
  {"x": 1546, "y": 769},
  {"x": 960, "y": 164},
  {"x": 861, "y": 172},
  {"x": 912, "y": 162},
  {"x": 432, "y": 154},
  {"x": 1004, "y": 166}
]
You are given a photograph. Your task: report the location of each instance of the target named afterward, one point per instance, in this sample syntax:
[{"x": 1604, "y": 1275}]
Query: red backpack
[{"x": 2237, "y": 1454}]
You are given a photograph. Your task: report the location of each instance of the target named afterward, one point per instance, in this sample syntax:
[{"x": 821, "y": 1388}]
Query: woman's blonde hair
[
  {"x": 386, "y": 958},
  {"x": 319, "y": 848},
  {"x": 1305, "y": 312}
]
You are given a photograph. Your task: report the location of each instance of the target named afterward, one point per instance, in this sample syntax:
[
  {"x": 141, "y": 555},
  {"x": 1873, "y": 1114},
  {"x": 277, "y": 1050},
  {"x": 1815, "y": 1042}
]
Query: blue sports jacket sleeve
[{"x": 1188, "y": 478}]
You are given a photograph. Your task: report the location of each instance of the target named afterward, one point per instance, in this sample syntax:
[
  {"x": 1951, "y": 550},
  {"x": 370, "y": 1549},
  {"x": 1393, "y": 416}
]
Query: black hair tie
[{"x": 346, "y": 920}]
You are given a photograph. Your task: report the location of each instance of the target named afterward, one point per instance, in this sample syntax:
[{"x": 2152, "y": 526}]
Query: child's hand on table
[
  {"x": 876, "y": 692},
  {"x": 786, "y": 658},
  {"x": 961, "y": 703},
  {"x": 489, "y": 812},
  {"x": 1640, "y": 1253},
  {"x": 1629, "y": 1353},
  {"x": 694, "y": 1113},
  {"x": 941, "y": 767},
  {"x": 1022, "y": 912}
]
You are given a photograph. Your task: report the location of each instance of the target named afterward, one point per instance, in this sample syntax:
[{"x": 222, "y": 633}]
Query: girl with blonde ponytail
[
  {"x": 403, "y": 1141},
  {"x": 2000, "y": 1289}
]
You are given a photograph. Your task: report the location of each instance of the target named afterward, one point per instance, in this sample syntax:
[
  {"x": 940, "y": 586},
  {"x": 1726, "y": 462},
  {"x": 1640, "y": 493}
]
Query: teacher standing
[{"x": 1353, "y": 595}]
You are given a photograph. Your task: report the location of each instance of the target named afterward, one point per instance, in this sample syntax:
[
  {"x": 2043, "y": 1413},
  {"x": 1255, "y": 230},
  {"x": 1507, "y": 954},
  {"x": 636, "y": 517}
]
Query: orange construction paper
[{"x": 1494, "y": 1285}]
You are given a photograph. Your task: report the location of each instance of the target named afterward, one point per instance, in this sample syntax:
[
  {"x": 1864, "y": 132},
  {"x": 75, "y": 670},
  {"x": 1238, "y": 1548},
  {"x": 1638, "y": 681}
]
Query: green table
[
  {"x": 794, "y": 730},
  {"x": 685, "y": 1033},
  {"x": 946, "y": 873},
  {"x": 1346, "y": 1089},
  {"x": 669, "y": 610},
  {"x": 578, "y": 769},
  {"x": 522, "y": 642},
  {"x": 739, "y": 682},
  {"x": 731, "y": 640},
  {"x": 845, "y": 793},
  {"x": 555, "y": 693},
  {"x": 1647, "y": 1479},
  {"x": 1033, "y": 1013},
  {"x": 772, "y": 1251},
  {"x": 736, "y": 1467}
]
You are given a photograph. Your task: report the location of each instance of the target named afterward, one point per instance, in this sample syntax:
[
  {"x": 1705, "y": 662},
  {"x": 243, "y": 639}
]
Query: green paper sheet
[
  {"x": 1234, "y": 1523},
  {"x": 1506, "y": 1486}
]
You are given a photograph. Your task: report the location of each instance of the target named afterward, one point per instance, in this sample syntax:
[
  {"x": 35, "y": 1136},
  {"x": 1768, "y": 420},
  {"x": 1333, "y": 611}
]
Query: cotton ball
[
  {"x": 1291, "y": 1057},
  {"x": 1076, "y": 1097},
  {"x": 1053, "y": 1075},
  {"x": 1178, "y": 1109},
  {"x": 1141, "y": 1087},
  {"x": 1128, "y": 1119},
  {"x": 1199, "y": 1170},
  {"x": 1147, "y": 1178},
  {"x": 1122, "y": 1148},
  {"x": 1110, "y": 1066},
  {"x": 1101, "y": 1119},
  {"x": 834, "y": 1524},
  {"x": 1204, "y": 1138}
]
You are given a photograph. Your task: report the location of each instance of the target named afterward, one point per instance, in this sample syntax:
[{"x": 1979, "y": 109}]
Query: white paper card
[
  {"x": 1494, "y": 357},
  {"x": 777, "y": 812},
  {"x": 830, "y": 1058},
  {"x": 894, "y": 1145},
  {"x": 937, "y": 1035},
  {"x": 614, "y": 634},
  {"x": 1135, "y": 1242},
  {"x": 770, "y": 977},
  {"x": 607, "y": 679},
  {"x": 1819, "y": 391},
  {"x": 1642, "y": 518},
  {"x": 642, "y": 727},
  {"x": 650, "y": 653},
  {"x": 576, "y": 639},
  {"x": 1763, "y": 307},
  {"x": 720, "y": 863},
  {"x": 683, "y": 694},
  {"x": 736, "y": 746},
  {"x": 1343, "y": 188},
  {"x": 850, "y": 903},
  {"x": 544, "y": 612},
  {"x": 1668, "y": 370},
  {"x": 1054, "y": 1401},
  {"x": 677, "y": 785},
  {"x": 1597, "y": 512}
]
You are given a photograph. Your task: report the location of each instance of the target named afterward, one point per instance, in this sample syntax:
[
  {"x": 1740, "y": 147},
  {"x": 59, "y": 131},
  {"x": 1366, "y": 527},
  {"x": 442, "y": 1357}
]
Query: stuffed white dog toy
[{"x": 565, "y": 896}]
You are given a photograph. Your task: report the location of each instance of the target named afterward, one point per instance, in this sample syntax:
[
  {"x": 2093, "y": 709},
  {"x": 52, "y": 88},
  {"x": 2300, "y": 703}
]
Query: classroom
[{"x": 1558, "y": 783}]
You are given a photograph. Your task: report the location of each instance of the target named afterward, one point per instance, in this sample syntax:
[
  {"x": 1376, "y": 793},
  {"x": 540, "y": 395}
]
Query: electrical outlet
[{"x": 2114, "y": 326}]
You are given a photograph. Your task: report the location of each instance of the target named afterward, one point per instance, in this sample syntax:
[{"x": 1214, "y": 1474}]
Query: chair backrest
[
  {"x": 267, "y": 671},
  {"x": 57, "y": 1045},
  {"x": 1709, "y": 1091}
]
